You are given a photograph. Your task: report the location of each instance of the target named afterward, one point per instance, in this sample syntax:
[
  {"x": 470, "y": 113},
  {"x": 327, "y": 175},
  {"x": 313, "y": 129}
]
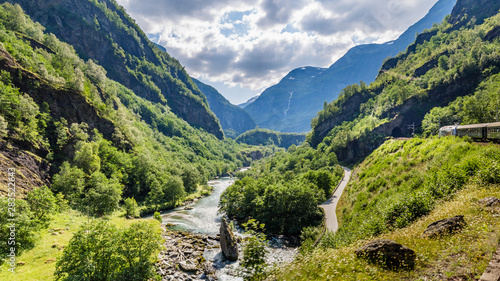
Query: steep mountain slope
[
  {"x": 290, "y": 105},
  {"x": 63, "y": 122},
  {"x": 449, "y": 61},
  {"x": 101, "y": 30},
  {"x": 231, "y": 117},
  {"x": 248, "y": 102}
]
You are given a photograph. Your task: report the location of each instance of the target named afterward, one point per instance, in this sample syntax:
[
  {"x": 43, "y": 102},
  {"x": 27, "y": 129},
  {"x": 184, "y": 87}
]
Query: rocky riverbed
[{"x": 184, "y": 257}]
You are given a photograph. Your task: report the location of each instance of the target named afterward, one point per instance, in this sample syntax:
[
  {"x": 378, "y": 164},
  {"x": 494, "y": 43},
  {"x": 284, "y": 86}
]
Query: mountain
[
  {"x": 248, "y": 102},
  {"x": 102, "y": 31},
  {"x": 231, "y": 117},
  {"x": 289, "y": 105},
  {"x": 449, "y": 74}
]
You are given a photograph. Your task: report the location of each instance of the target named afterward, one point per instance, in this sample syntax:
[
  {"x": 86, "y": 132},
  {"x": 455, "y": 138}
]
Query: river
[{"x": 202, "y": 217}]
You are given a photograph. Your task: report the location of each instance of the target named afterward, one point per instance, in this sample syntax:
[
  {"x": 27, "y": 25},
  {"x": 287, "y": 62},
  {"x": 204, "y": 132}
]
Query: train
[{"x": 477, "y": 132}]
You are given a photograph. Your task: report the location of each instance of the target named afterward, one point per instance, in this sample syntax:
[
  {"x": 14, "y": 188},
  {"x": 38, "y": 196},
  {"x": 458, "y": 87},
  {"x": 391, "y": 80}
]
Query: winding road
[{"x": 331, "y": 204}]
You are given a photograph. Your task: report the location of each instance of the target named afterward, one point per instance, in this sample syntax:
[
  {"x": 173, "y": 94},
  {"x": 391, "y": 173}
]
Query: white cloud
[{"x": 243, "y": 43}]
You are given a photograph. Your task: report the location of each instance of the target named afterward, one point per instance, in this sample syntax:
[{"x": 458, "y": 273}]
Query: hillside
[
  {"x": 268, "y": 137},
  {"x": 294, "y": 101},
  {"x": 233, "y": 120},
  {"x": 80, "y": 140},
  {"x": 102, "y": 31},
  {"x": 445, "y": 63},
  {"x": 395, "y": 193}
]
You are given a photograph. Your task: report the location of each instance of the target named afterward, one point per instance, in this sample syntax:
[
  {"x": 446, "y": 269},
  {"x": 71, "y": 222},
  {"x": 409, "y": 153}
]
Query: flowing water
[{"x": 203, "y": 218}]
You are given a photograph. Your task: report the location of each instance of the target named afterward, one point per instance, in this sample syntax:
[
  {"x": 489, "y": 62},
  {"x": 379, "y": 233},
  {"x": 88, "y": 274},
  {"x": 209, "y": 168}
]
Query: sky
[{"x": 243, "y": 47}]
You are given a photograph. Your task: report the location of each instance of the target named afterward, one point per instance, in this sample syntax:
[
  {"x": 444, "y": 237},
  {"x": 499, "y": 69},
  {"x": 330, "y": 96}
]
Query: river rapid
[{"x": 202, "y": 217}]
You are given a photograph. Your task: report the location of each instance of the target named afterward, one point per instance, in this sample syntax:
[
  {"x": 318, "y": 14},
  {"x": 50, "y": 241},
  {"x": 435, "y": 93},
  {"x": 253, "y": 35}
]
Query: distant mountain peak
[{"x": 312, "y": 86}]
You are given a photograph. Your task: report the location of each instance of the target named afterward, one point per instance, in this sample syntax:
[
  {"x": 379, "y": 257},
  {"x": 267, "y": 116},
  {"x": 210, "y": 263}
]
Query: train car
[
  {"x": 493, "y": 132},
  {"x": 474, "y": 131},
  {"x": 448, "y": 131}
]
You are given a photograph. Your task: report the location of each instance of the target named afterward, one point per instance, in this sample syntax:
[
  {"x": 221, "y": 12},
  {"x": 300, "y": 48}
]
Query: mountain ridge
[
  {"x": 101, "y": 30},
  {"x": 231, "y": 117},
  {"x": 360, "y": 63}
]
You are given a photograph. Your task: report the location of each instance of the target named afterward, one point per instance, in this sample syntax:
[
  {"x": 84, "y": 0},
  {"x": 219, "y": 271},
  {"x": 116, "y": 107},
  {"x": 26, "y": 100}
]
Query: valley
[{"x": 127, "y": 167}]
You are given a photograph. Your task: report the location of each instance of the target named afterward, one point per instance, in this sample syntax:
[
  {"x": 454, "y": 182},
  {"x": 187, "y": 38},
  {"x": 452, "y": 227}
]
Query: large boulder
[
  {"x": 387, "y": 253},
  {"x": 228, "y": 241},
  {"x": 445, "y": 226}
]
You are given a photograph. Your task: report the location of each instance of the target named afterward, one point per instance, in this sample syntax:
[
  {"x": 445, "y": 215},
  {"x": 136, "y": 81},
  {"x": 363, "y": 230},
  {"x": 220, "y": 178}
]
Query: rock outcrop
[
  {"x": 445, "y": 226},
  {"x": 489, "y": 202},
  {"x": 228, "y": 241},
  {"x": 387, "y": 253}
]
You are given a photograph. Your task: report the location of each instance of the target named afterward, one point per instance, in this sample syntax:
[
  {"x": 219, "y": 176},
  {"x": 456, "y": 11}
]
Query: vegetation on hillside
[
  {"x": 141, "y": 150},
  {"x": 449, "y": 59},
  {"x": 481, "y": 107},
  {"x": 270, "y": 137},
  {"x": 283, "y": 191},
  {"x": 404, "y": 180},
  {"x": 396, "y": 193}
]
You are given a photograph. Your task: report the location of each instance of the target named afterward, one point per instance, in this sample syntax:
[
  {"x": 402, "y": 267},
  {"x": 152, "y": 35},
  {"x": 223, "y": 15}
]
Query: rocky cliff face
[
  {"x": 101, "y": 30},
  {"x": 474, "y": 9},
  {"x": 230, "y": 116}
]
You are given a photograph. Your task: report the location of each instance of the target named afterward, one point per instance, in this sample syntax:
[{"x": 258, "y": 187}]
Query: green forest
[{"x": 144, "y": 153}]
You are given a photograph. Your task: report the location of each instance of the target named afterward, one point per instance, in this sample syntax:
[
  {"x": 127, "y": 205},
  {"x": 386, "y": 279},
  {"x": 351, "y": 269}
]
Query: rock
[
  {"x": 387, "y": 253},
  {"x": 21, "y": 263},
  {"x": 188, "y": 266},
  {"x": 188, "y": 208},
  {"x": 228, "y": 242},
  {"x": 55, "y": 233},
  {"x": 51, "y": 260},
  {"x": 445, "y": 226},
  {"x": 489, "y": 202}
]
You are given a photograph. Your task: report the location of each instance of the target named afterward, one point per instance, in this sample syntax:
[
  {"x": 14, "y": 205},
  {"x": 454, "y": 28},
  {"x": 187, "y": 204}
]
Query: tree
[
  {"x": 102, "y": 195},
  {"x": 87, "y": 158},
  {"x": 70, "y": 181},
  {"x": 131, "y": 208},
  {"x": 254, "y": 252},
  {"x": 100, "y": 251},
  {"x": 190, "y": 178},
  {"x": 42, "y": 202}
]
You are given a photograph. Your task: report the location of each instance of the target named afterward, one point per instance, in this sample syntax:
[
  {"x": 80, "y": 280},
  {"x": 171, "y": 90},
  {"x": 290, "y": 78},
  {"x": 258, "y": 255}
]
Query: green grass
[
  {"x": 395, "y": 193},
  {"x": 466, "y": 253},
  {"x": 40, "y": 261}
]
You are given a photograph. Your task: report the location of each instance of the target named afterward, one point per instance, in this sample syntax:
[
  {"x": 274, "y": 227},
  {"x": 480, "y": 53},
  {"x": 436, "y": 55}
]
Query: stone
[
  {"x": 228, "y": 243},
  {"x": 387, "y": 253},
  {"x": 188, "y": 266},
  {"x": 51, "y": 260},
  {"x": 489, "y": 202},
  {"x": 445, "y": 226}
]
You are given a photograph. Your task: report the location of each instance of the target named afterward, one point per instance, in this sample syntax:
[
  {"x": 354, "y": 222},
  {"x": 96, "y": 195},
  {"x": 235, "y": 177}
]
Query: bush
[{"x": 157, "y": 216}]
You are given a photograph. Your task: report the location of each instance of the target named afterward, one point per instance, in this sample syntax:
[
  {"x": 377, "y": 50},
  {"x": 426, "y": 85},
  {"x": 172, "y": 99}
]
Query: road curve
[{"x": 331, "y": 204}]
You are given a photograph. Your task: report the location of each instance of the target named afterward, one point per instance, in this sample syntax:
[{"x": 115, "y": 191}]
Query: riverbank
[{"x": 183, "y": 256}]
